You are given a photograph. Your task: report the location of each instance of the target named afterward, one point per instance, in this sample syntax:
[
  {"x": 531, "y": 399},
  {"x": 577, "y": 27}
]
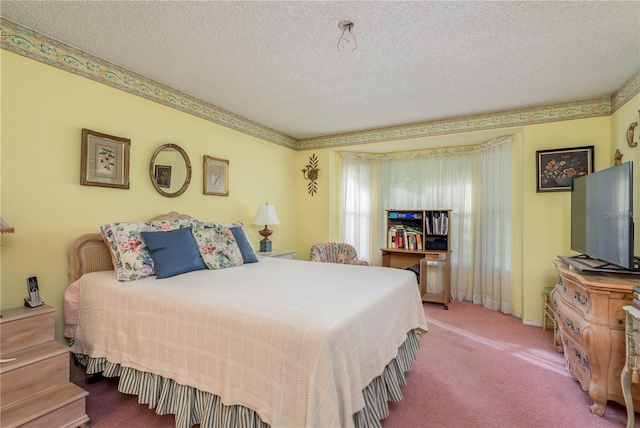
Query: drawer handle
[
  {"x": 618, "y": 313},
  {"x": 581, "y": 360},
  {"x": 573, "y": 328},
  {"x": 579, "y": 298}
]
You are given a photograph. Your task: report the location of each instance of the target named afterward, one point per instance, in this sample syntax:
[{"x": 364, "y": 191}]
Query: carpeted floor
[
  {"x": 480, "y": 368},
  {"x": 476, "y": 368}
]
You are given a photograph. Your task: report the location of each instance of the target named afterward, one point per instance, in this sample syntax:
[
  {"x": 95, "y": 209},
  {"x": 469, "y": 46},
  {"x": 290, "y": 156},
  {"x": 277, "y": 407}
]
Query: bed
[{"x": 273, "y": 343}]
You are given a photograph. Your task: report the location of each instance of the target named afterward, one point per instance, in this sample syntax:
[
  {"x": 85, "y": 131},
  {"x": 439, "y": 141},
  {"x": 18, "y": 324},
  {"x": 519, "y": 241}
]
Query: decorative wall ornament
[
  {"x": 617, "y": 158},
  {"x": 310, "y": 172},
  {"x": 630, "y": 132}
]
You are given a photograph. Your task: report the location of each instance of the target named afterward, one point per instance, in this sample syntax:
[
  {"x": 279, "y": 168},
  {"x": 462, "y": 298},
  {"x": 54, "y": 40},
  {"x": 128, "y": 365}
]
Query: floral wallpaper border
[
  {"x": 23, "y": 41},
  {"x": 577, "y": 110},
  {"x": 628, "y": 90}
]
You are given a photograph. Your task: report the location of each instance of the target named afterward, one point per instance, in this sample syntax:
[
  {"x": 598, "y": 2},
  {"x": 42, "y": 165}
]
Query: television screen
[{"x": 601, "y": 215}]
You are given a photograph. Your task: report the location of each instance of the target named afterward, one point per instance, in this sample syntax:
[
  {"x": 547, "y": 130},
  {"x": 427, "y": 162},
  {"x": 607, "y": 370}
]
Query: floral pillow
[
  {"x": 218, "y": 246},
  {"x": 132, "y": 256}
]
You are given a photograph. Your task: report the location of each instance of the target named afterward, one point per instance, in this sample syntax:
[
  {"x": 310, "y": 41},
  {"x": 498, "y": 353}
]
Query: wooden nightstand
[
  {"x": 34, "y": 387},
  {"x": 280, "y": 254}
]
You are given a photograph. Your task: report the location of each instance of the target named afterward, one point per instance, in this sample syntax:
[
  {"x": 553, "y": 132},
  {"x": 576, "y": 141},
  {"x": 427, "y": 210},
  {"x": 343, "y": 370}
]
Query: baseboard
[
  {"x": 534, "y": 323},
  {"x": 526, "y": 322}
]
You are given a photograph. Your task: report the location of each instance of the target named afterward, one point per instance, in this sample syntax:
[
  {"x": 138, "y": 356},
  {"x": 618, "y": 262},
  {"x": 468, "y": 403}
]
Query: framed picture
[
  {"x": 216, "y": 176},
  {"x": 105, "y": 160},
  {"x": 162, "y": 174},
  {"x": 557, "y": 168}
]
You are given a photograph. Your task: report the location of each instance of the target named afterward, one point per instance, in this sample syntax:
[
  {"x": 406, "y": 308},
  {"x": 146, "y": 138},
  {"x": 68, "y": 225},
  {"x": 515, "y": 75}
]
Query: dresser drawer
[
  {"x": 29, "y": 380},
  {"x": 617, "y": 315},
  {"x": 574, "y": 294},
  {"x": 25, "y": 327},
  {"x": 571, "y": 322},
  {"x": 577, "y": 362}
]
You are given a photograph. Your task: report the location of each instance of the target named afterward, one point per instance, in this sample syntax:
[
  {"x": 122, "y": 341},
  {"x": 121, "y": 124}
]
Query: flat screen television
[{"x": 602, "y": 217}]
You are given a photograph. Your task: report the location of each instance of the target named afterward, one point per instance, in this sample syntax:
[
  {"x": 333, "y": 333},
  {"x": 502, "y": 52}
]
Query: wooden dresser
[
  {"x": 34, "y": 385},
  {"x": 591, "y": 325}
]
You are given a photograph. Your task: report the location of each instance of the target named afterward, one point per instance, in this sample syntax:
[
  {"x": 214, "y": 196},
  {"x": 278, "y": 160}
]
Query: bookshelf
[{"x": 420, "y": 237}]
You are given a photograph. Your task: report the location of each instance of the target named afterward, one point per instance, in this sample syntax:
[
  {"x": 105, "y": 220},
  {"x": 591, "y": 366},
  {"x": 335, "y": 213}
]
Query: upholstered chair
[{"x": 336, "y": 252}]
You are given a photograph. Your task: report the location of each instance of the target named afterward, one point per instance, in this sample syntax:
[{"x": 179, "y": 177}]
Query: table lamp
[{"x": 266, "y": 215}]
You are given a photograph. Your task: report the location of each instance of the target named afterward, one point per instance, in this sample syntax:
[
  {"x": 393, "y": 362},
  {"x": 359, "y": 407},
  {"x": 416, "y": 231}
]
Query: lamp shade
[
  {"x": 266, "y": 215},
  {"x": 5, "y": 227}
]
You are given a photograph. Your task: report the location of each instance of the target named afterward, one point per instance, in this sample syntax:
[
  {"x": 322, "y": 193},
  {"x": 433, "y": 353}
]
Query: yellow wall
[
  {"x": 546, "y": 216},
  {"x": 43, "y": 112},
  {"x": 620, "y": 121}
]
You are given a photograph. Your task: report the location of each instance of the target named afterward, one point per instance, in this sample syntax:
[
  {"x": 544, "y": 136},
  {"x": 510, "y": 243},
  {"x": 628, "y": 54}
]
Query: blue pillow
[
  {"x": 248, "y": 255},
  {"x": 173, "y": 252}
]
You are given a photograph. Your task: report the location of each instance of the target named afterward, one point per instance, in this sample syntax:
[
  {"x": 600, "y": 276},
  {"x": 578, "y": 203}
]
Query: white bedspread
[{"x": 295, "y": 341}]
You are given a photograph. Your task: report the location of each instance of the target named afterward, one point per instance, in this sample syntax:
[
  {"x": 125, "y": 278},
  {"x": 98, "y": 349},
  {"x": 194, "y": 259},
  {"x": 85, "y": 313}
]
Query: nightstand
[
  {"x": 34, "y": 381},
  {"x": 280, "y": 254}
]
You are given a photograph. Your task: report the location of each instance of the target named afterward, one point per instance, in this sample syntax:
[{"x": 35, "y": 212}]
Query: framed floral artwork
[
  {"x": 557, "y": 168},
  {"x": 163, "y": 175},
  {"x": 216, "y": 176},
  {"x": 105, "y": 160}
]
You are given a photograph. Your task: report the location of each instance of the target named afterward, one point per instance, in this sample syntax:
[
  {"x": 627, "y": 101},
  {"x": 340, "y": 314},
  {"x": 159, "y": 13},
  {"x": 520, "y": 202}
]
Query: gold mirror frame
[{"x": 152, "y": 170}]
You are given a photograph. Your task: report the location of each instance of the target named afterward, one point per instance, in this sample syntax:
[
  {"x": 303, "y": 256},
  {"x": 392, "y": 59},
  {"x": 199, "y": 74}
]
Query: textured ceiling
[{"x": 277, "y": 63}]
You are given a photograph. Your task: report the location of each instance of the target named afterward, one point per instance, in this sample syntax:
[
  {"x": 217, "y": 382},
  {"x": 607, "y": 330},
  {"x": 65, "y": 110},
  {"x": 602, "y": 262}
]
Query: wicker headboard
[{"x": 89, "y": 253}]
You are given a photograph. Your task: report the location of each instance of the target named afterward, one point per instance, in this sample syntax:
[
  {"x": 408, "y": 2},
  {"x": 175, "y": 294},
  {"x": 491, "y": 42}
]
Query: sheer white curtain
[
  {"x": 357, "y": 209},
  {"x": 493, "y": 228},
  {"x": 468, "y": 181}
]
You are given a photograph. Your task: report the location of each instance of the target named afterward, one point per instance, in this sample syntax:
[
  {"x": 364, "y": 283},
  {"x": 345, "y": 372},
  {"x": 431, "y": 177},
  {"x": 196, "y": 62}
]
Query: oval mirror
[{"x": 170, "y": 170}]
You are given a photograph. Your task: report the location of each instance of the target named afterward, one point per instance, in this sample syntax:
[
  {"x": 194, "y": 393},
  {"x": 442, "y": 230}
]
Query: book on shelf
[
  {"x": 396, "y": 236},
  {"x": 437, "y": 223},
  {"x": 405, "y": 215},
  {"x": 416, "y": 216},
  {"x": 407, "y": 238},
  {"x": 391, "y": 238}
]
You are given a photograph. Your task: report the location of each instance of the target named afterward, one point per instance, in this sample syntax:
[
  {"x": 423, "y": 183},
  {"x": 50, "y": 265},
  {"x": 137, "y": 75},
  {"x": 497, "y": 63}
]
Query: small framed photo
[
  {"x": 557, "y": 168},
  {"x": 105, "y": 160},
  {"x": 163, "y": 175},
  {"x": 216, "y": 176}
]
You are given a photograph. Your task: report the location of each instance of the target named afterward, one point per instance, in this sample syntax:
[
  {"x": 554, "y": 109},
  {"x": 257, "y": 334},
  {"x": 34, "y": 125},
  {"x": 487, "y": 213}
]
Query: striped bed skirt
[{"x": 192, "y": 406}]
